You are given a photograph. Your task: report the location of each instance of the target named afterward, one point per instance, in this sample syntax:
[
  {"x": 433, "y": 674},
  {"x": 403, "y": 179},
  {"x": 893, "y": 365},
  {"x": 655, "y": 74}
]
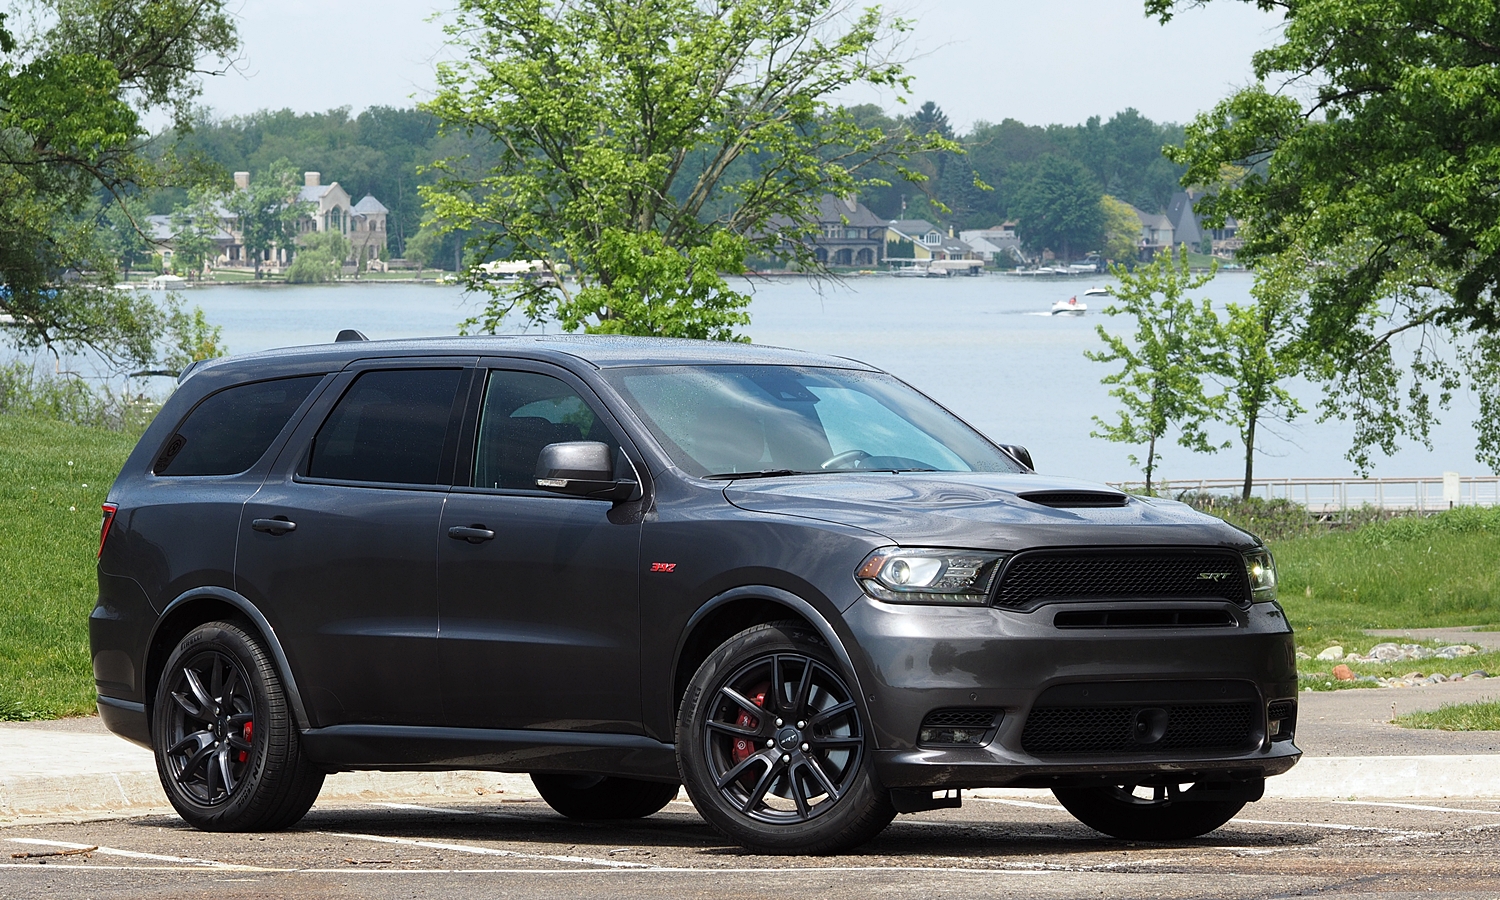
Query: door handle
[
  {"x": 273, "y": 526},
  {"x": 474, "y": 534}
]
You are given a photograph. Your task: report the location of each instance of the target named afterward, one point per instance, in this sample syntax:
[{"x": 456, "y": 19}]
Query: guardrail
[{"x": 1333, "y": 495}]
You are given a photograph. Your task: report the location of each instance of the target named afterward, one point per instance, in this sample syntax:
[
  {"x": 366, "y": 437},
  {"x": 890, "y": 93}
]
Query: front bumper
[{"x": 915, "y": 660}]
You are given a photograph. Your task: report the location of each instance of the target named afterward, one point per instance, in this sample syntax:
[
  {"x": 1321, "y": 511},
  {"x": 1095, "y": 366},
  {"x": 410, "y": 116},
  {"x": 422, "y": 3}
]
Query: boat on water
[
  {"x": 917, "y": 268},
  {"x": 1096, "y": 292},
  {"x": 1070, "y": 307}
]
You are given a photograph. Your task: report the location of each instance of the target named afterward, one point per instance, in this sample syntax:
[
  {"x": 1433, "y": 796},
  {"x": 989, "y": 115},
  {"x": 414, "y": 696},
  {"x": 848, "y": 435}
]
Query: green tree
[
  {"x": 1382, "y": 176},
  {"x": 73, "y": 89},
  {"x": 194, "y": 228},
  {"x": 1122, "y": 231},
  {"x": 320, "y": 258},
  {"x": 1058, "y": 207},
  {"x": 125, "y": 224},
  {"x": 267, "y": 212},
  {"x": 1259, "y": 352},
  {"x": 1160, "y": 384},
  {"x": 652, "y": 145}
]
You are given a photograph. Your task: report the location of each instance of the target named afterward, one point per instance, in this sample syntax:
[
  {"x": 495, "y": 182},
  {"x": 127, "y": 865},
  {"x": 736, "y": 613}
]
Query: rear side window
[
  {"x": 228, "y": 432},
  {"x": 389, "y": 427}
]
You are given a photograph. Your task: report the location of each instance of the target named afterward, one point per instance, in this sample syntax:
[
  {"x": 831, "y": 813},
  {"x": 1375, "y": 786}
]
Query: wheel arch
[
  {"x": 208, "y": 604},
  {"x": 733, "y": 611}
]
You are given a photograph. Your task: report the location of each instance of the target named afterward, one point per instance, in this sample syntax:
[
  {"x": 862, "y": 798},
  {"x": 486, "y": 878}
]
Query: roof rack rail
[{"x": 350, "y": 334}]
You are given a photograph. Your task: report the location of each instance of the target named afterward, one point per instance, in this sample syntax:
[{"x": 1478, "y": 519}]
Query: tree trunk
[
  {"x": 1249, "y": 454},
  {"x": 1150, "y": 464}
]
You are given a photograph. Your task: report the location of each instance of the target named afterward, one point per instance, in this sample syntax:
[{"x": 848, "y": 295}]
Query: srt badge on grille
[{"x": 1212, "y": 576}]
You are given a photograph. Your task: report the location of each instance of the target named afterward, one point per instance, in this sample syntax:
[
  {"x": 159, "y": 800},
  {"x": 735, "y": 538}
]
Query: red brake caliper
[
  {"x": 248, "y": 732},
  {"x": 743, "y": 747}
]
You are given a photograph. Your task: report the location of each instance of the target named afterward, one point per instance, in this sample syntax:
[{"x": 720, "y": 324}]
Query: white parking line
[
  {"x": 1029, "y": 804},
  {"x": 132, "y": 854},
  {"x": 1334, "y": 826},
  {"x": 1476, "y": 812},
  {"x": 490, "y": 851}
]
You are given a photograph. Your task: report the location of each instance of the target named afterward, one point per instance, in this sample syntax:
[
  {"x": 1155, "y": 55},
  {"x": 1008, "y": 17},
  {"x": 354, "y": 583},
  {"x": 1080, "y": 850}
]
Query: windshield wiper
[{"x": 763, "y": 473}]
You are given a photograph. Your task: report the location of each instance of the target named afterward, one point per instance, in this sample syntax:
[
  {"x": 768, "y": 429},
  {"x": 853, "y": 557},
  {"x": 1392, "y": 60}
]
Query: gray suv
[{"x": 790, "y": 583}]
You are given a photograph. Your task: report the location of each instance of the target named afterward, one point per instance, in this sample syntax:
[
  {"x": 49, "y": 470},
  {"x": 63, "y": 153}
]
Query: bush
[{"x": 71, "y": 399}]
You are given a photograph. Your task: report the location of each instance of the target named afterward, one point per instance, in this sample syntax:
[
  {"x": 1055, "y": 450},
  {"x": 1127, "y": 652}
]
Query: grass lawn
[
  {"x": 1438, "y": 571},
  {"x": 52, "y": 479},
  {"x": 1456, "y": 717}
]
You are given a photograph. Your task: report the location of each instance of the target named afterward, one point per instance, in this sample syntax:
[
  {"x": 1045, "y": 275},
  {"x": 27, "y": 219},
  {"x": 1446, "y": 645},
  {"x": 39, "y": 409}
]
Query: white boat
[
  {"x": 1070, "y": 307},
  {"x": 917, "y": 268},
  {"x": 1096, "y": 292}
]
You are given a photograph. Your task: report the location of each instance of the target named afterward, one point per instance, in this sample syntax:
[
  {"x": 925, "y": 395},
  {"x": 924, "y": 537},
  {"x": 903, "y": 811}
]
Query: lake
[{"x": 984, "y": 347}]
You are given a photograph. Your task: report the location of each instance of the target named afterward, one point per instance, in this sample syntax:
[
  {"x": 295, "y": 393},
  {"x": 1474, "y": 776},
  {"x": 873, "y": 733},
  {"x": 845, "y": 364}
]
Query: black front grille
[
  {"x": 1048, "y": 576},
  {"x": 960, "y": 718},
  {"x": 1098, "y": 730}
]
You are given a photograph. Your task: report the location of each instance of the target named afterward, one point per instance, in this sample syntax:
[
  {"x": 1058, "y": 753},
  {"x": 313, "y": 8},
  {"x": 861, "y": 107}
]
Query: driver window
[{"x": 524, "y": 412}]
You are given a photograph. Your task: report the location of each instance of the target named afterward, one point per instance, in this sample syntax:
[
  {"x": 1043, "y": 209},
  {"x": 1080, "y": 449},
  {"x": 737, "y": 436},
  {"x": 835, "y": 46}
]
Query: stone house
[{"x": 848, "y": 233}]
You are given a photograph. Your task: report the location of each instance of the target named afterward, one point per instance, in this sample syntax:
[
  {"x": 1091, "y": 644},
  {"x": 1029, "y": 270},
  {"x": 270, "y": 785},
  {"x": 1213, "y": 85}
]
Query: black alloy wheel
[
  {"x": 210, "y": 726},
  {"x": 772, "y": 746},
  {"x": 227, "y": 752},
  {"x": 1136, "y": 812}
]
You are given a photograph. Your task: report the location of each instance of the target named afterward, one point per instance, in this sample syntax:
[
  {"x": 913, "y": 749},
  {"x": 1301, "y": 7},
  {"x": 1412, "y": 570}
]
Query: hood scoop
[{"x": 1077, "y": 499}]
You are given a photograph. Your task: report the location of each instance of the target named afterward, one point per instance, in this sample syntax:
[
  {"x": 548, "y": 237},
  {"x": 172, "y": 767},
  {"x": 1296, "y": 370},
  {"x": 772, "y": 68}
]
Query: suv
[{"x": 790, "y": 583}]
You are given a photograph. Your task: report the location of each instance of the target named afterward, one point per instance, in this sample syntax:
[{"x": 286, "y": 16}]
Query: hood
[{"x": 985, "y": 511}]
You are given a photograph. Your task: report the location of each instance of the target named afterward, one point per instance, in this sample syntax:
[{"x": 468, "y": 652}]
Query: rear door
[
  {"x": 338, "y": 547},
  {"x": 541, "y": 621}
]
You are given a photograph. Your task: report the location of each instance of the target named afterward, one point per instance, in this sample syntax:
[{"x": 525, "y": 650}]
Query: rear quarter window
[{"x": 229, "y": 432}]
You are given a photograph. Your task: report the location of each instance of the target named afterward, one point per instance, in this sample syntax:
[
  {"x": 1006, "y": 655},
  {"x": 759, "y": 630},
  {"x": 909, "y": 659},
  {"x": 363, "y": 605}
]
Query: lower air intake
[
  {"x": 1117, "y": 729},
  {"x": 959, "y": 727}
]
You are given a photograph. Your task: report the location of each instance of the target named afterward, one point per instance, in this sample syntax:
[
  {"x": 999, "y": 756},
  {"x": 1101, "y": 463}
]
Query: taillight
[{"x": 109, "y": 519}]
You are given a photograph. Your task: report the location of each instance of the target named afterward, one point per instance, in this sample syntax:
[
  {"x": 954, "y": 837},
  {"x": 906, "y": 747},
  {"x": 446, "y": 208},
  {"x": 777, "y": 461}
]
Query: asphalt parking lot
[{"x": 1019, "y": 848}]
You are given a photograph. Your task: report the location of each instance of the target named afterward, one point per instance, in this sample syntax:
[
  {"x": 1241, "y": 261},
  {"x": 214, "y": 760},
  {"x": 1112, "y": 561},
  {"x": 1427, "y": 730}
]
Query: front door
[
  {"x": 339, "y": 546},
  {"x": 538, "y": 593}
]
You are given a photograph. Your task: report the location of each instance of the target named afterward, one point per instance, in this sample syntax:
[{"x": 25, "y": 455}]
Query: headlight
[
  {"x": 1262, "y": 571},
  {"x": 930, "y": 576}
]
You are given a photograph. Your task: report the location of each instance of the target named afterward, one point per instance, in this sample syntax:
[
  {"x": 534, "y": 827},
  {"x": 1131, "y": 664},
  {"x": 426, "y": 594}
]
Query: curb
[
  {"x": 139, "y": 792},
  {"x": 1314, "y": 778}
]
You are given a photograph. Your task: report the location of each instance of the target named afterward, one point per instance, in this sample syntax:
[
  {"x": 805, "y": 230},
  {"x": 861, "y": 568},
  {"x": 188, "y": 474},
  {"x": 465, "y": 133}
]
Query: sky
[{"x": 1039, "y": 61}]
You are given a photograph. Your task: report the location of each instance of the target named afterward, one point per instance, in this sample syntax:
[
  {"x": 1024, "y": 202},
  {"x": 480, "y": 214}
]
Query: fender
[
  {"x": 809, "y": 612},
  {"x": 278, "y": 656}
]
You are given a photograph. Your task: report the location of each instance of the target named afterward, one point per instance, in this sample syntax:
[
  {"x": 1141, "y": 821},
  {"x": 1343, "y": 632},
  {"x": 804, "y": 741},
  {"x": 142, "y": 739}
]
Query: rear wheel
[
  {"x": 771, "y": 743},
  {"x": 1166, "y": 812},
  {"x": 600, "y": 797},
  {"x": 227, "y": 752}
]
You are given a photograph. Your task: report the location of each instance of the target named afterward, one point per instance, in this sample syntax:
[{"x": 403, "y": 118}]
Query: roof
[
  {"x": 1184, "y": 219},
  {"x": 838, "y": 209},
  {"x": 600, "y": 351},
  {"x": 913, "y": 227},
  {"x": 312, "y": 193},
  {"x": 160, "y": 228},
  {"x": 369, "y": 205}
]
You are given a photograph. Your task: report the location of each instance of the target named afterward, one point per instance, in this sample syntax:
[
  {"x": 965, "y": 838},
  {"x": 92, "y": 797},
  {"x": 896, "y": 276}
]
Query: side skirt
[{"x": 396, "y": 748}]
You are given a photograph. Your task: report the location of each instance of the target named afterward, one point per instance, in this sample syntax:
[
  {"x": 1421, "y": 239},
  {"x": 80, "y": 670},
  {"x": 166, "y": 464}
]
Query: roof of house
[
  {"x": 160, "y": 228},
  {"x": 369, "y": 205},
  {"x": 839, "y": 209},
  {"x": 913, "y": 227},
  {"x": 1154, "y": 221},
  {"x": 1184, "y": 219}
]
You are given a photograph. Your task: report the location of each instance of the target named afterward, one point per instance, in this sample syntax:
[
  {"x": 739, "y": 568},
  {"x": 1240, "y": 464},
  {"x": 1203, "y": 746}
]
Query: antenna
[{"x": 350, "y": 334}]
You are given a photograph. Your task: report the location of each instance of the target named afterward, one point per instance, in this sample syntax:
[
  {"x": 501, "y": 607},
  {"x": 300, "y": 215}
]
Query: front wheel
[
  {"x": 227, "y": 751},
  {"x": 771, "y": 744},
  {"x": 1165, "y": 812},
  {"x": 603, "y": 797}
]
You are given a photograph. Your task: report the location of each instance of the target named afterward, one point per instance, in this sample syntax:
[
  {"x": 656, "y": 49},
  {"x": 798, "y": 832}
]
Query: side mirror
[
  {"x": 581, "y": 469},
  {"x": 1019, "y": 454}
]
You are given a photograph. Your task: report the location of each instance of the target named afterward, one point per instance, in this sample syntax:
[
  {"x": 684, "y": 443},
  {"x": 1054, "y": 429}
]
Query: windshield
[{"x": 718, "y": 421}]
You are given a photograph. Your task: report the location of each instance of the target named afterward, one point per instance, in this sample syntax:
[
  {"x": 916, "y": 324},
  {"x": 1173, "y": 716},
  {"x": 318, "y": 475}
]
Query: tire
[
  {"x": 1122, "y": 811},
  {"x": 814, "y": 790},
  {"x": 227, "y": 752},
  {"x": 601, "y": 797}
]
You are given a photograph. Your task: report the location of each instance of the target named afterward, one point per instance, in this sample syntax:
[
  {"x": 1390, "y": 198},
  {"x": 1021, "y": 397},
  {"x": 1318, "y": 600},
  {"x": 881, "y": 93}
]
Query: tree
[
  {"x": 1122, "y": 231},
  {"x": 1160, "y": 384},
  {"x": 267, "y": 211},
  {"x": 1058, "y": 207},
  {"x": 127, "y": 245},
  {"x": 651, "y": 145},
  {"x": 1382, "y": 176},
  {"x": 72, "y": 92},
  {"x": 319, "y": 259},
  {"x": 194, "y": 228},
  {"x": 1259, "y": 352}
]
